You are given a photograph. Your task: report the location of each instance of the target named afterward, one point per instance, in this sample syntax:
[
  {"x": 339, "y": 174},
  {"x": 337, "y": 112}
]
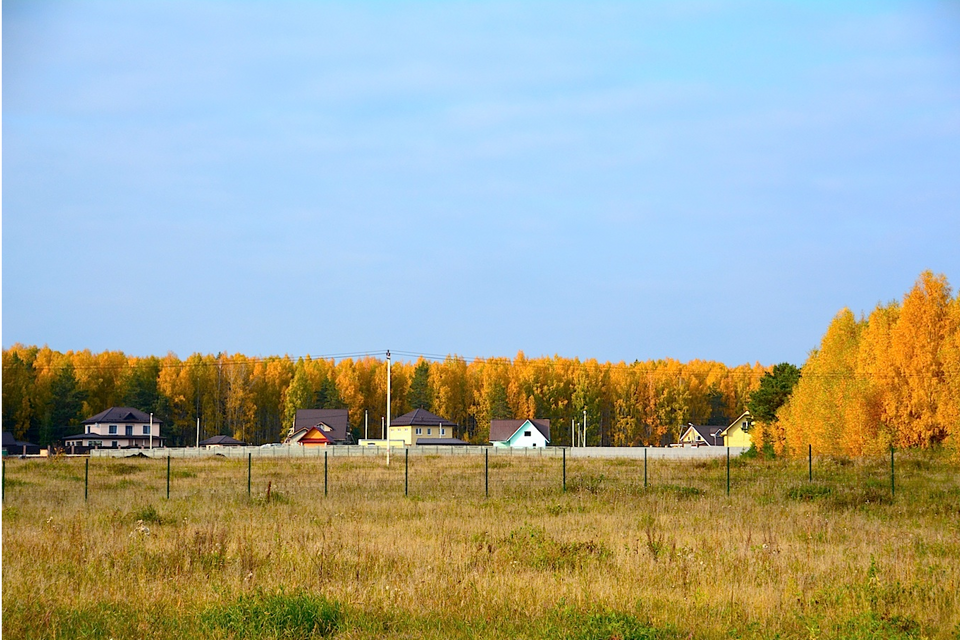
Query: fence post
[
  {"x": 3, "y": 490},
  {"x": 324, "y": 471},
  {"x": 486, "y": 472},
  {"x": 86, "y": 479},
  {"x": 406, "y": 471},
  {"x": 893, "y": 486},
  {"x": 728, "y": 470},
  {"x": 644, "y": 467},
  {"x": 564, "y": 469},
  {"x": 810, "y": 461},
  {"x": 168, "y": 476},
  {"x": 249, "y": 471}
]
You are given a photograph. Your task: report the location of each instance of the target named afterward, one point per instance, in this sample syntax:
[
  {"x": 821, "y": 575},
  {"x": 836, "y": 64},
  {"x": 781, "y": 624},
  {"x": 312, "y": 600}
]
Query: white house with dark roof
[
  {"x": 119, "y": 427},
  {"x": 532, "y": 432}
]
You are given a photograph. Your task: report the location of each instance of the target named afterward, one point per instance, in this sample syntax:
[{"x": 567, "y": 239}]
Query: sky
[{"x": 611, "y": 180}]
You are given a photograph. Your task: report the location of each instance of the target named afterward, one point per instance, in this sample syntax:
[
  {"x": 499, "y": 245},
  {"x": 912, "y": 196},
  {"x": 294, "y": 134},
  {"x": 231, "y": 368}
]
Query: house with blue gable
[{"x": 532, "y": 432}]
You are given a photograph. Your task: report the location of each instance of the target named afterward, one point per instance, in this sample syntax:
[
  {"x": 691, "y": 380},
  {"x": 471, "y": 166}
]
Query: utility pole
[
  {"x": 584, "y": 440},
  {"x": 198, "y": 432},
  {"x": 365, "y": 424},
  {"x": 151, "y": 430},
  {"x": 388, "y": 407},
  {"x": 573, "y": 441}
]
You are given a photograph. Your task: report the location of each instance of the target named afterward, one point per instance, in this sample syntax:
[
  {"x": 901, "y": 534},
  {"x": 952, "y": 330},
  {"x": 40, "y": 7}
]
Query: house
[
  {"x": 119, "y": 427},
  {"x": 701, "y": 436},
  {"x": 320, "y": 427},
  {"x": 222, "y": 441},
  {"x": 419, "y": 425},
  {"x": 738, "y": 433},
  {"x": 14, "y": 447},
  {"x": 520, "y": 433}
]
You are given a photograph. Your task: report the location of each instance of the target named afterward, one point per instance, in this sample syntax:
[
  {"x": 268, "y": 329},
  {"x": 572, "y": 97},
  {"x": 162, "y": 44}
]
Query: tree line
[
  {"x": 47, "y": 393},
  {"x": 888, "y": 379}
]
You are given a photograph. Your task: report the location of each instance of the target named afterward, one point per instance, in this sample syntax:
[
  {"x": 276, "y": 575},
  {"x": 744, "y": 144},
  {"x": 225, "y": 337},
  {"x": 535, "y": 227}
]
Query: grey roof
[
  {"x": 337, "y": 419},
  {"x": 421, "y": 418},
  {"x": 121, "y": 414},
  {"x": 222, "y": 440},
  {"x": 443, "y": 442},
  {"x": 500, "y": 430},
  {"x": 708, "y": 433},
  {"x": 9, "y": 440}
]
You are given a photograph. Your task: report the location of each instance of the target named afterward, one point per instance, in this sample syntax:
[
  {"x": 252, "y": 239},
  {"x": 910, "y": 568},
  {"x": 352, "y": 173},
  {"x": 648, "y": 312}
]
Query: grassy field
[{"x": 780, "y": 557}]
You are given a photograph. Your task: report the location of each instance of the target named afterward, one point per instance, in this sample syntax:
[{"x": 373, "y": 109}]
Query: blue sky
[{"x": 615, "y": 180}]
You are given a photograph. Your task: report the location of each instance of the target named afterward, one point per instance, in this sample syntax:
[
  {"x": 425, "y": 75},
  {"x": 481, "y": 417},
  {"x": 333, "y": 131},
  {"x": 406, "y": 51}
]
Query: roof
[
  {"x": 226, "y": 441},
  {"x": 337, "y": 419},
  {"x": 708, "y": 433},
  {"x": 743, "y": 416},
  {"x": 501, "y": 430},
  {"x": 121, "y": 414},
  {"x": 421, "y": 418},
  {"x": 9, "y": 440},
  {"x": 448, "y": 442}
]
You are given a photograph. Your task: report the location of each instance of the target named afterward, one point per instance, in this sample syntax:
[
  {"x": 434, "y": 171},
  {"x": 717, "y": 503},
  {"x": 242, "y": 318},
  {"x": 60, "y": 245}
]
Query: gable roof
[
  {"x": 502, "y": 430},
  {"x": 710, "y": 434},
  {"x": 743, "y": 416},
  {"x": 9, "y": 440},
  {"x": 421, "y": 418},
  {"x": 337, "y": 419},
  {"x": 223, "y": 440},
  {"x": 121, "y": 414}
]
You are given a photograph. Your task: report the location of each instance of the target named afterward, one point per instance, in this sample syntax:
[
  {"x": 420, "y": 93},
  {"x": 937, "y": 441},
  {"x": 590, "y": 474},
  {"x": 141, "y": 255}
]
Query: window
[
  {"x": 442, "y": 431},
  {"x": 146, "y": 429},
  {"x": 113, "y": 429},
  {"x": 88, "y": 428},
  {"x": 114, "y": 444},
  {"x": 419, "y": 430},
  {"x": 526, "y": 434},
  {"x": 129, "y": 430},
  {"x": 429, "y": 431}
]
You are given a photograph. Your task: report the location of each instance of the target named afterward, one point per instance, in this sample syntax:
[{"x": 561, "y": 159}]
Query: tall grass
[{"x": 609, "y": 558}]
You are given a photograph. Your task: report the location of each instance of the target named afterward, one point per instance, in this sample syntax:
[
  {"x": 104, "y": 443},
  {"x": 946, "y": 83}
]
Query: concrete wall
[{"x": 653, "y": 453}]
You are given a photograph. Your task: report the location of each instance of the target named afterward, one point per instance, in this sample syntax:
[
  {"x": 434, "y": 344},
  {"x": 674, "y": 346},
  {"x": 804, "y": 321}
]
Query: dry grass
[{"x": 780, "y": 557}]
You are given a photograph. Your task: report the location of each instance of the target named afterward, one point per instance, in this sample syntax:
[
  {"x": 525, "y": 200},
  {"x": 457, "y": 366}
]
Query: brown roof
[
  {"x": 501, "y": 430},
  {"x": 337, "y": 419},
  {"x": 421, "y": 418}
]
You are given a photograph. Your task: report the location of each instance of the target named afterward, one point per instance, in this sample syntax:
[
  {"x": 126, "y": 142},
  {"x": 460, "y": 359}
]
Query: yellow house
[
  {"x": 738, "y": 433},
  {"x": 420, "y": 425}
]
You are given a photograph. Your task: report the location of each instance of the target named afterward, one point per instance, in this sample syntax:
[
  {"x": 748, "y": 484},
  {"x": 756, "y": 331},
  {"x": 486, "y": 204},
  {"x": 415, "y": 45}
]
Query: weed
[
  {"x": 808, "y": 492},
  {"x": 275, "y": 615}
]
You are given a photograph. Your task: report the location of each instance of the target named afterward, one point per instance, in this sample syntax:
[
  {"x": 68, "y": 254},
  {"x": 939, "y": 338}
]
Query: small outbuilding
[
  {"x": 14, "y": 447},
  {"x": 532, "y": 432}
]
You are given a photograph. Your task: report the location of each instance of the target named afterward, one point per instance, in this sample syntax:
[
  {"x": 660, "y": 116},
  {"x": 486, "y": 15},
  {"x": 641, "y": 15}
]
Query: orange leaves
[{"x": 891, "y": 379}]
